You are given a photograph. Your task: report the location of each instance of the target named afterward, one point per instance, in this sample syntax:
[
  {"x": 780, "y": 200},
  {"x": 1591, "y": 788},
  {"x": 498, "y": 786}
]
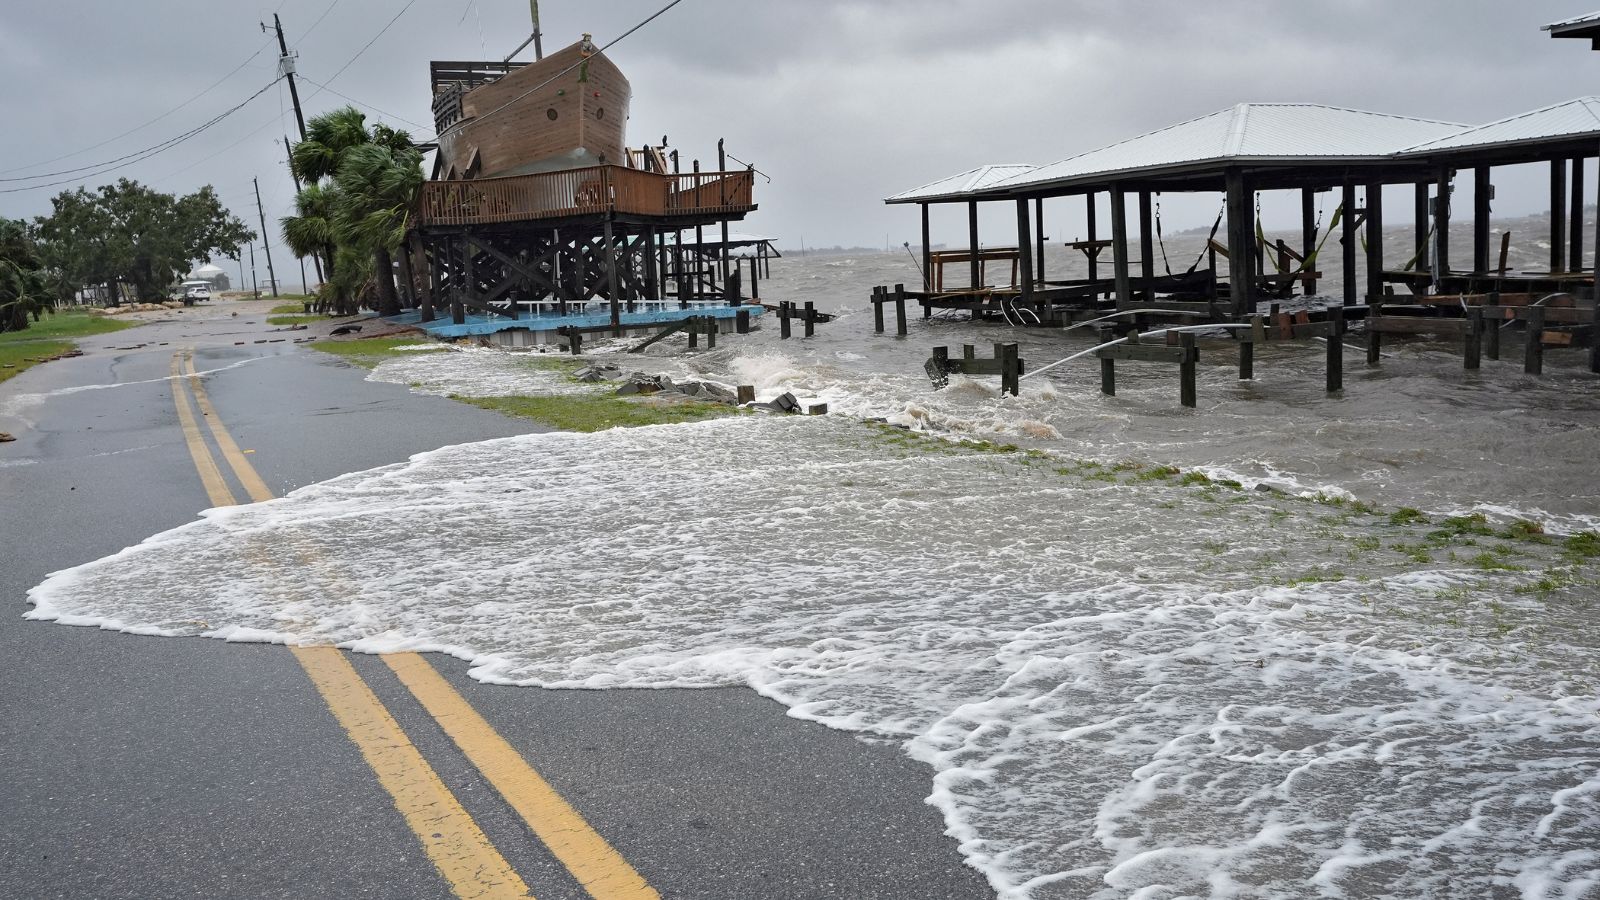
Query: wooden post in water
[
  {"x": 746, "y": 394},
  {"x": 1575, "y": 230},
  {"x": 878, "y": 298},
  {"x": 1349, "y": 238},
  {"x": 1594, "y": 333},
  {"x": 972, "y": 242},
  {"x": 1247, "y": 350},
  {"x": 1374, "y": 336},
  {"x": 1187, "y": 367},
  {"x": 900, "y": 309},
  {"x": 575, "y": 342},
  {"x": 1374, "y": 239},
  {"x": 1441, "y": 224},
  {"x": 693, "y": 331},
  {"x": 1024, "y": 251},
  {"x": 1308, "y": 234},
  {"x": 1423, "y": 251},
  {"x": 1336, "y": 349},
  {"x": 1558, "y": 215},
  {"x": 811, "y": 319},
  {"x": 1241, "y": 238},
  {"x": 784, "y": 307},
  {"x": 711, "y": 332},
  {"x": 1491, "y": 334},
  {"x": 1472, "y": 352},
  {"x": 1481, "y": 191},
  {"x": 1108, "y": 366},
  {"x": 741, "y": 321},
  {"x": 1147, "y": 247},
  {"x": 927, "y": 254},
  {"x": 1534, "y": 352},
  {"x": 1010, "y": 368},
  {"x": 1119, "y": 245}
]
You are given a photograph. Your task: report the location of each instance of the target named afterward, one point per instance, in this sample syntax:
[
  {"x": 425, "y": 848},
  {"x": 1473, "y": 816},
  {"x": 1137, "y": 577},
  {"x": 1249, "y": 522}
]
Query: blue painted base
[{"x": 442, "y": 327}]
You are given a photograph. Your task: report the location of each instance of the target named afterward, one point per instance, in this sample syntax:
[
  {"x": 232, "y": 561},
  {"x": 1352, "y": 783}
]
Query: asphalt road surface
[{"x": 146, "y": 767}]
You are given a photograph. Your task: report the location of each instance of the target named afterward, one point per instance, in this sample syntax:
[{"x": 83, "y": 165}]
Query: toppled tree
[
  {"x": 130, "y": 233},
  {"x": 24, "y": 291}
]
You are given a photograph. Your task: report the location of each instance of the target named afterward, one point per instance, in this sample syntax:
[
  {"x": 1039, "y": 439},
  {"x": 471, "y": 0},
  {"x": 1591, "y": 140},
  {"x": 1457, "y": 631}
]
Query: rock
[
  {"x": 597, "y": 372},
  {"x": 817, "y": 409},
  {"x": 6, "y": 438},
  {"x": 784, "y": 403}
]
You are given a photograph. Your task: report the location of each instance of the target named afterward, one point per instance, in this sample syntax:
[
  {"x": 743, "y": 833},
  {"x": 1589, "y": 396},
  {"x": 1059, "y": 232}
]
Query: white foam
[{"x": 1108, "y": 711}]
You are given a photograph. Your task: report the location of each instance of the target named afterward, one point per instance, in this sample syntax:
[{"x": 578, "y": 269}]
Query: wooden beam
[
  {"x": 1481, "y": 193},
  {"x": 1038, "y": 237},
  {"x": 1441, "y": 223},
  {"x": 1349, "y": 242},
  {"x": 927, "y": 253},
  {"x": 1089, "y": 211},
  {"x": 1025, "y": 249},
  {"x": 1119, "y": 244},
  {"x": 1241, "y": 237},
  {"x": 1575, "y": 229},
  {"x": 972, "y": 243},
  {"x": 1558, "y": 215},
  {"x": 1421, "y": 248},
  {"x": 1308, "y": 232},
  {"x": 1147, "y": 246},
  {"x": 1374, "y": 239}
]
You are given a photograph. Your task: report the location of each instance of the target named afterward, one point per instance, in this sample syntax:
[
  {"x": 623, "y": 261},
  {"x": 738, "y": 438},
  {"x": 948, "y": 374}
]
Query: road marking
[
  {"x": 455, "y": 843},
  {"x": 598, "y": 867},
  {"x": 253, "y": 485},
  {"x": 216, "y": 487},
  {"x": 602, "y": 871}
]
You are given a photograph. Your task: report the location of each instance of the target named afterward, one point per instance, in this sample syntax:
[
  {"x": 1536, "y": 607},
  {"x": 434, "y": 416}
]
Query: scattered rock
[{"x": 817, "y": 409}]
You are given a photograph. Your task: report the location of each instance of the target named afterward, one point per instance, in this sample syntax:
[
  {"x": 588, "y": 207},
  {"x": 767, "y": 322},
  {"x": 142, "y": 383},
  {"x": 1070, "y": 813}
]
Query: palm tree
[
  {"x": 377, "y": 187},
  {"x": 23, "y": 288},
  {"x": 360, "y": 186}
]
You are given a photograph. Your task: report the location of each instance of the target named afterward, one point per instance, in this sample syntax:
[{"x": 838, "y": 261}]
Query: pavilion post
[
  {"x": 972, "y": 242},
  {"x": 1024, "y": 249},
  {"x": 1441, "y": 225},
  {"x": 1147, "y": 247},
  {"x": 927, "y": 253},
  {"x": 1422, "y": 221},
  {"x": 1119, "y": 245},
  {"x": 1594, "y": 291},
  {"x": 1558, "y": 217},
  {"x": 1038, "y": 240},
  {"x": 1241, "y": 237},
  {"x": 1308, "y": 234},
  {"x": 1374, "y": 239},
  {"x": 1575, "y": 229},
  {"x": 1094, "y": 260},
  {"x": 1349, "y": 240},
  {"x": 1482, "y": 191}
]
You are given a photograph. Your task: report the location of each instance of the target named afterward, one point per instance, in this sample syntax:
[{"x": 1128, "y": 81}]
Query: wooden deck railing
[{"x": 587, "y": 191}]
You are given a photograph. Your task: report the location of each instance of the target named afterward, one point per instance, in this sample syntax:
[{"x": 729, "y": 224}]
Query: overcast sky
[{"x": 842, "y": 103}]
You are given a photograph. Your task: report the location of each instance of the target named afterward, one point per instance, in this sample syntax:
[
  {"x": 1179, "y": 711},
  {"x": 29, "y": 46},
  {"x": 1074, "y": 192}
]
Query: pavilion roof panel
[
  {"x": 1570, "y": 119},
  {"x": 962, "y": 183}
]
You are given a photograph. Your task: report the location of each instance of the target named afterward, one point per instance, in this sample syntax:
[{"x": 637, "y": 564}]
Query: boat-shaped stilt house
[{"x": 540, "y": 223}]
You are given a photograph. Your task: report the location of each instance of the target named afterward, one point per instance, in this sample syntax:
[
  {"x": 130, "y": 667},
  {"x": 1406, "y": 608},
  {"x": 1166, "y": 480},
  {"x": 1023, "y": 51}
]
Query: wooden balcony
[{"x": 594, "y": 190}]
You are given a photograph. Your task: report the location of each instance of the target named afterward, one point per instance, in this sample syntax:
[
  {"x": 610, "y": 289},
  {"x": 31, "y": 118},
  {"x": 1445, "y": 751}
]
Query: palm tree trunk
[
  {"x": 408, "y": 277},
  {"x": 388, "y": 300}
]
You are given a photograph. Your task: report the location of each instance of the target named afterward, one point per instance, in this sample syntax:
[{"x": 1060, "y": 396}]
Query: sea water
[{"x": 1145, "y": 651}]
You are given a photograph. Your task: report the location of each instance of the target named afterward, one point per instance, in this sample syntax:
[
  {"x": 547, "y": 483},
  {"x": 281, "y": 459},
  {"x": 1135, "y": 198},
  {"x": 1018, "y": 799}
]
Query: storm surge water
[{"x": 1285, "y": 646}]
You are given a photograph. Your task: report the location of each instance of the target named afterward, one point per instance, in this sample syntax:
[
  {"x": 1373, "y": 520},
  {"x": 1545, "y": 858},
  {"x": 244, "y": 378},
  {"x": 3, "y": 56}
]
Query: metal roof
[
  {"x": 961, "y": 185},
  {"x": 1572, "y": 119},
  {"x": 1248, "y": 132},
  {"x": 1567, "y": 24}
]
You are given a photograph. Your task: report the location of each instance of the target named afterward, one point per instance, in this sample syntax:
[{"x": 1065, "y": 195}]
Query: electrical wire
[
  {"x": 375, "y": 109},
  {"x": 307, "y": 32},
  {"x": 124, "y": 134},
  {"x": 368, "y": 44},
  {"x": 122, "y": 162}
]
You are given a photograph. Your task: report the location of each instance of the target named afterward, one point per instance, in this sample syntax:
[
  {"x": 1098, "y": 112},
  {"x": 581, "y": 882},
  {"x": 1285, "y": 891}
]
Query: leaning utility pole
[
  {"x": 286, "y": 69},
  {"x": 264, "y": 245},
  {"x": 316, "y": 261}
]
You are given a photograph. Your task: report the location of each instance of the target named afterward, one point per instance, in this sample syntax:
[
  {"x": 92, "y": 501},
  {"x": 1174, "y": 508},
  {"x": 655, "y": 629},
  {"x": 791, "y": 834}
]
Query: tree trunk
[
  {"x": 408, "y": 278},
  {"x": 388, "y": 300}
]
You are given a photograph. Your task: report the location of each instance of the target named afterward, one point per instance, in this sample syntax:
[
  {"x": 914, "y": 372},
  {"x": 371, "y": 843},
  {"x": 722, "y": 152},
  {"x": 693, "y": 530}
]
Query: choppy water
[{"x": 1127, "y": 683}]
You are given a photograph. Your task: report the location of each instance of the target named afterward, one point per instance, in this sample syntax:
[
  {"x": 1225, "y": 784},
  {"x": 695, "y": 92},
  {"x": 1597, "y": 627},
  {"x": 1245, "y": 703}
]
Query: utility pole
[
  {"x": 264, "y": 245},
  {"x": 286, "y": 69},
  {"x": 255, "y": 289},
  {"x": 316, "y": 261}
]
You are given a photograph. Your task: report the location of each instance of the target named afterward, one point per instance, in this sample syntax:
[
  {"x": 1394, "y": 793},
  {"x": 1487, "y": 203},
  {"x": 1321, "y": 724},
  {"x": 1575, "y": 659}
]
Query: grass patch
[
  {"x": 50, "y": 336},
  {"x": 598, "y": 412},
  {"x": 1405, "y": 515},
  {"x": 1583, "y": 545},
  {"x": 1494, "y": 562},
  {"x": 1456, "y": 526},
  {"x": 298, "y": 307},
  {"x": 368, "y": 353},
  {"x": 1525, "y": 530}
]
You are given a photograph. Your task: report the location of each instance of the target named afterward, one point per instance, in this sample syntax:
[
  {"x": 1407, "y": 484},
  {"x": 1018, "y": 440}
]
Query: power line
[
  {"x": 368, "y": 44},
  {"x": 375, "y": 109},
  {"x": 314, "y": 25},
  {"x": 108, "y": 140},
  {"x": 128, "y": 160}
]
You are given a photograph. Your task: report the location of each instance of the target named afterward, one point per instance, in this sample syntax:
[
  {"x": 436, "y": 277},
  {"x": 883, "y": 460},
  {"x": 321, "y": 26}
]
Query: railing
[{"x": 587, "y": 191}]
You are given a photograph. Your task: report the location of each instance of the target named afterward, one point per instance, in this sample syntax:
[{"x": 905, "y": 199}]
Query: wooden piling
[
  {"x": 972, "y": 240},
  {"x": 1119, "y": 245},
  {"x": 712, "y": 328},
  {"x": 1336, "y": 349},
  {"x": 1575, "y": 228},
  {"x": 1010, "y": 368},
  {"x": 1024, "y": 251},
  {"x": 1241, "y": 240},
  {"x": 575, "y": 342},
  {"x": 1147, "y": 247},
  {"x": 1108, "y": 367},
  {"x": 1491, "y": 334},
  {"x": 747, "y": 394},
  {"x": 1349, "y": 240},
  {"x": 1374, "y": 336},
  {"x": 694, "y": 334},
  {"x": 1422, "y": 212},
  {"x": 1533, "y": 363},
  {"x": 741, "y": 321},
  {"x": 927, "y": 256},
  {"x": 1247, "y": 349},
  {"x": 900, "y": 309},
  {"x": 784, "y": 308},
  {"x": 878, "y": 297},
  {"x": 1374, "y": 239},
  {"x": 1308, "y": 233},
  {"x": 1187, "y": 369},
  {"x": 811, "y": 318},
  {"x": 1472, "y": 352},
  {"x": 1441, "y": 223},
  {"x": 1481, "y": 191}
]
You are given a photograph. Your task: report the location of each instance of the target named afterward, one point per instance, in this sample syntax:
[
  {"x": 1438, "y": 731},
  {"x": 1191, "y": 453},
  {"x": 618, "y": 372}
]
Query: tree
[
  {"x": 360, "y": 185},
  {"x": 129, "y": 232},
  {"x": 24, "y": 290}
]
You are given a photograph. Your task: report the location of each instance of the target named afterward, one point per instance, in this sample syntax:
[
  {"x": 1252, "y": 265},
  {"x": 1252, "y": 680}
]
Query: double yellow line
[{"x": 458, "y": 847}]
